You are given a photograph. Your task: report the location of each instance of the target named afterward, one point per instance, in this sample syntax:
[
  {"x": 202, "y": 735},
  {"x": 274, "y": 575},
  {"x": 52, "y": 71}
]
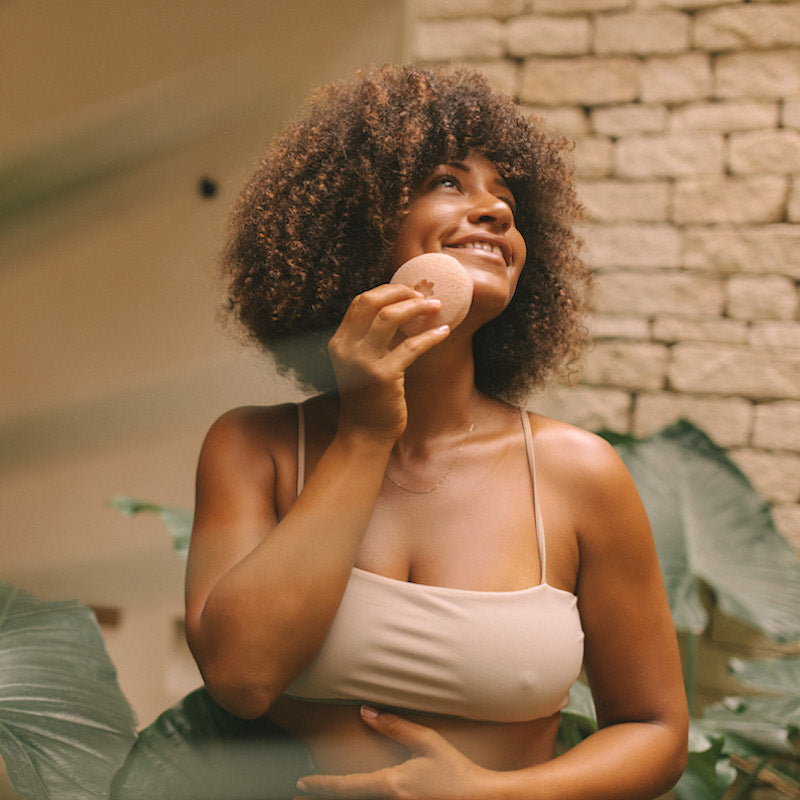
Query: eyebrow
[{"x": 499, "y": 180}]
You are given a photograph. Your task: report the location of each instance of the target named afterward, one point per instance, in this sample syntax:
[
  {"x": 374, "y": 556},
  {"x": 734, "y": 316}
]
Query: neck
[{"x": 440, "y": 392}]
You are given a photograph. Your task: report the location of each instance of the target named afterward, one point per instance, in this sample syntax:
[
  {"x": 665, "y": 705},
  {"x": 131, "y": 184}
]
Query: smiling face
[{"x": 465, "y": 209}]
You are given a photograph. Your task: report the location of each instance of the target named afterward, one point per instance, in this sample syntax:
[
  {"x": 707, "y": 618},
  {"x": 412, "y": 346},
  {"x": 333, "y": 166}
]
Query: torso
[{"x": 485, "y": 543}]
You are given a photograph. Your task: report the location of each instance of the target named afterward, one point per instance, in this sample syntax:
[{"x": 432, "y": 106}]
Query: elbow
[
  {"x": 243, "y": 698},
  {"x": 675, "y": 767},
  {"x": 676, "y": 756},
  {"x": 232, "y": 684},
  {"x": 680, "y": 760}
]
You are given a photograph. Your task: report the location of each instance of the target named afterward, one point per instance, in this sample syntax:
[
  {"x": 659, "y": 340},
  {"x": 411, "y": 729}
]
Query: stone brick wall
[{"x": 686, "y": 121}]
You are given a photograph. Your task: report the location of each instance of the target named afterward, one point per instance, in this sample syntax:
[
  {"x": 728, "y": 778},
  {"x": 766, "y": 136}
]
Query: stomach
[{"x": 340, "y": 741}]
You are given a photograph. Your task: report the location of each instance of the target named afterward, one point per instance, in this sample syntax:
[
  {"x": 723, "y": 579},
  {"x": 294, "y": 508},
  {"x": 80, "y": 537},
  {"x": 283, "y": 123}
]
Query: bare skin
[{"x": 267, "y": 570}]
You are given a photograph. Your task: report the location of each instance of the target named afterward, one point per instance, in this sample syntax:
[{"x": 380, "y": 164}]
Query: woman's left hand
[{"x": 435, "y": 770}]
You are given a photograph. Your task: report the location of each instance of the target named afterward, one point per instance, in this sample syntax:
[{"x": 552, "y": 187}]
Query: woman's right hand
[{"x": 370, "y": 358}]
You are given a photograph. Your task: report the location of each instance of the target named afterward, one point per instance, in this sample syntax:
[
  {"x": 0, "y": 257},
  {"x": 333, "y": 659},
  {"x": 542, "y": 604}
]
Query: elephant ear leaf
[
  {"x": 65, "y": 726},
  {"x": 712, "y": 528}
]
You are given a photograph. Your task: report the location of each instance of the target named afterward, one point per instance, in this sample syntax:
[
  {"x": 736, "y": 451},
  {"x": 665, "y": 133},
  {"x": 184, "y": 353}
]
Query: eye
[{"x": 445, "y": 181}]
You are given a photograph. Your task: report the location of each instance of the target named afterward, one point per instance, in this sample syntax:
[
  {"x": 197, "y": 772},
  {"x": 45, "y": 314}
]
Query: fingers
[
  {"x": 376, "y": 316},
  {"x": 368, "y": 332},
  {"x": 417, "y": 738},
  {"x": 383, "y": 306},
  {"x": 357, "y": 786}
]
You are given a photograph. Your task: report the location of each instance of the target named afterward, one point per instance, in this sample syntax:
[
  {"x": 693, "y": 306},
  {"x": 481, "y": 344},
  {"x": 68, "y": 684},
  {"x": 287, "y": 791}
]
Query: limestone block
[
  {"x": 642, "y": 32},
  {"x": 748, "y": 26},
  {"x": 725, "y": 116},
  {"x": 626, "y": 365},
  {"x": 775, "y": 475},
  {"x": 608, "y": 326},
  {"x": 625, "y": 201},
  {"x": 464, "y": 40},
  {"x": 757, "y": 373},
  {"x": 777, "y": 426},
  {"x": 727, "y": 420},
  {"x": 679, "y": 328},
  {"x": 677, "y": 79},
  {"x": 775, "y": 334},
  {"x": 591, "y": 408},
  {"x": 771, "y": 249},
  {"x": 768, "y": 151},
  {"x": 628, "y": 119},
  {"x": 594, "y": 157},
  {"x": 720, "y": 200},
  {"x": 568, "y": 121},
  {"x": 635, "y": 246},
  {"x": 689, "y": 5},
  {"x": 791, "y": 113},
  {"x": 580, "y": 81},
  {"x": 444, "y": 9},
  {"x": 760, "y": 75},
  {"x": 787, "y": 521},
  {"x": 762, "y": 297},
  {"x": 670, "y": 155},
  {"x": 577, "y": 6},
  {"x": 651, "y": 293},
  {"x": 793, "y": 206},
  {"x": 554, "y": 36},
  {"x": 501, "y": 73}
]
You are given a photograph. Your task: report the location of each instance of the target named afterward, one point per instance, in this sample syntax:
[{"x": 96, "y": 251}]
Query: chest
[{"x": 477, "y": 531}]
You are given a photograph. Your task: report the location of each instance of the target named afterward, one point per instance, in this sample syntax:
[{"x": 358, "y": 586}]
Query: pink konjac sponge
[{"x": 443, "y": 277}]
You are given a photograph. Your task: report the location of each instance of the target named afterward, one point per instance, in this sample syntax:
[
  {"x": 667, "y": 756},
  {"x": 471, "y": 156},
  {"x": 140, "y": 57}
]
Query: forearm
[
  {"x": 266, "y": 616},
  {"x": 628, "y": 761}
]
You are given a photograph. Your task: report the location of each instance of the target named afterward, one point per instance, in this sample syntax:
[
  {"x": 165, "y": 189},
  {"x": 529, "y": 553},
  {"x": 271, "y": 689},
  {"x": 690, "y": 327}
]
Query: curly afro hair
[{"x": 316, "y": 223}]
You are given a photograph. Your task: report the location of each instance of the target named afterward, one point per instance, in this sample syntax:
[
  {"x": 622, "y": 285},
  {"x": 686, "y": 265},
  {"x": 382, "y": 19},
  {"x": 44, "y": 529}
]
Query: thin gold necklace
[{"x": 441, "y": 480}]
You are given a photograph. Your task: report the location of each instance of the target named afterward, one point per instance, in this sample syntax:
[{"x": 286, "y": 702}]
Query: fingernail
[
  {"x": 369, "y": 712},
  {"x": 301, "y": 786}
]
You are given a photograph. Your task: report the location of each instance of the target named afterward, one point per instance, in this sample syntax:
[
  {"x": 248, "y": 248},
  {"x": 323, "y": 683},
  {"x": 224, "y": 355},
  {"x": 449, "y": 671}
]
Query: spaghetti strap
[
  {"x": 301, "y": 447},
  {"x": 537, "y": 512}
]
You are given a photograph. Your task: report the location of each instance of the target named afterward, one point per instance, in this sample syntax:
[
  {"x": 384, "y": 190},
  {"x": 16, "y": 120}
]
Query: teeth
[{"x": 489, "y": 248}]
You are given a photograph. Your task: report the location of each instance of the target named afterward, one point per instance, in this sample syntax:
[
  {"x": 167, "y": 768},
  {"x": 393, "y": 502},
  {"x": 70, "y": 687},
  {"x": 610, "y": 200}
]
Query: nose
[{"x": 488, "y": 209}]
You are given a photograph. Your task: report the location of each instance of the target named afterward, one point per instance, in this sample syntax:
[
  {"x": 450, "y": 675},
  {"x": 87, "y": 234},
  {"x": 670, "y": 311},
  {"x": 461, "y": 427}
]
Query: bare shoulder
[
  {"x": 590, "y": 476},
  {"x": 247, "y": 447},
  {"x": 575, "y": 454},
  {"x": 251, "y": 429}
]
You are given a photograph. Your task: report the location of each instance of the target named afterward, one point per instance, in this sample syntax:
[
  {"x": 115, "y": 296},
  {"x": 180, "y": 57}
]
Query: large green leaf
[
  {"x": 65, "y": 726},
  {"x": 198, "y": 751},
  {"x": 753, "y": 726},
  {"x": 711, "y": 527},
  {"x": 774, "y": 675}
]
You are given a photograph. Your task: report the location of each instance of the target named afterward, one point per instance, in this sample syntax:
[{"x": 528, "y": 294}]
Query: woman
[{"x": 368, "y": 570}]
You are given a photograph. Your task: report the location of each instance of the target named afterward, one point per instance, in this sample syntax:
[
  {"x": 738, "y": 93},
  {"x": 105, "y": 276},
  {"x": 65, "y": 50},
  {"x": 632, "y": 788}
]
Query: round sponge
[{"x": 443, "y": 277}]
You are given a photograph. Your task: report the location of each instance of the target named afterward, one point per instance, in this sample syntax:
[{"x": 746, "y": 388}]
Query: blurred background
[{"x": 128, "y": 130}]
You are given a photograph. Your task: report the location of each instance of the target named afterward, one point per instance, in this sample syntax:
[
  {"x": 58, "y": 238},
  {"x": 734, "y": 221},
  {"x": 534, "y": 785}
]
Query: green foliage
[
  {"x": 708, "y": 774},
  {"x": 717, "y": 546},
  {"x": 65, "y": 726},
  {"x": 177, "y": 520},
  {"x": 713, "y": 530},
  {"x": 198, "y": 751}
]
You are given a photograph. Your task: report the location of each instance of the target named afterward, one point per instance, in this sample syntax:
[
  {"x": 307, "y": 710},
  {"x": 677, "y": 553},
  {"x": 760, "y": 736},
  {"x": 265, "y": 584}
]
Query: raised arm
[{"x": 262, "y": 589}]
